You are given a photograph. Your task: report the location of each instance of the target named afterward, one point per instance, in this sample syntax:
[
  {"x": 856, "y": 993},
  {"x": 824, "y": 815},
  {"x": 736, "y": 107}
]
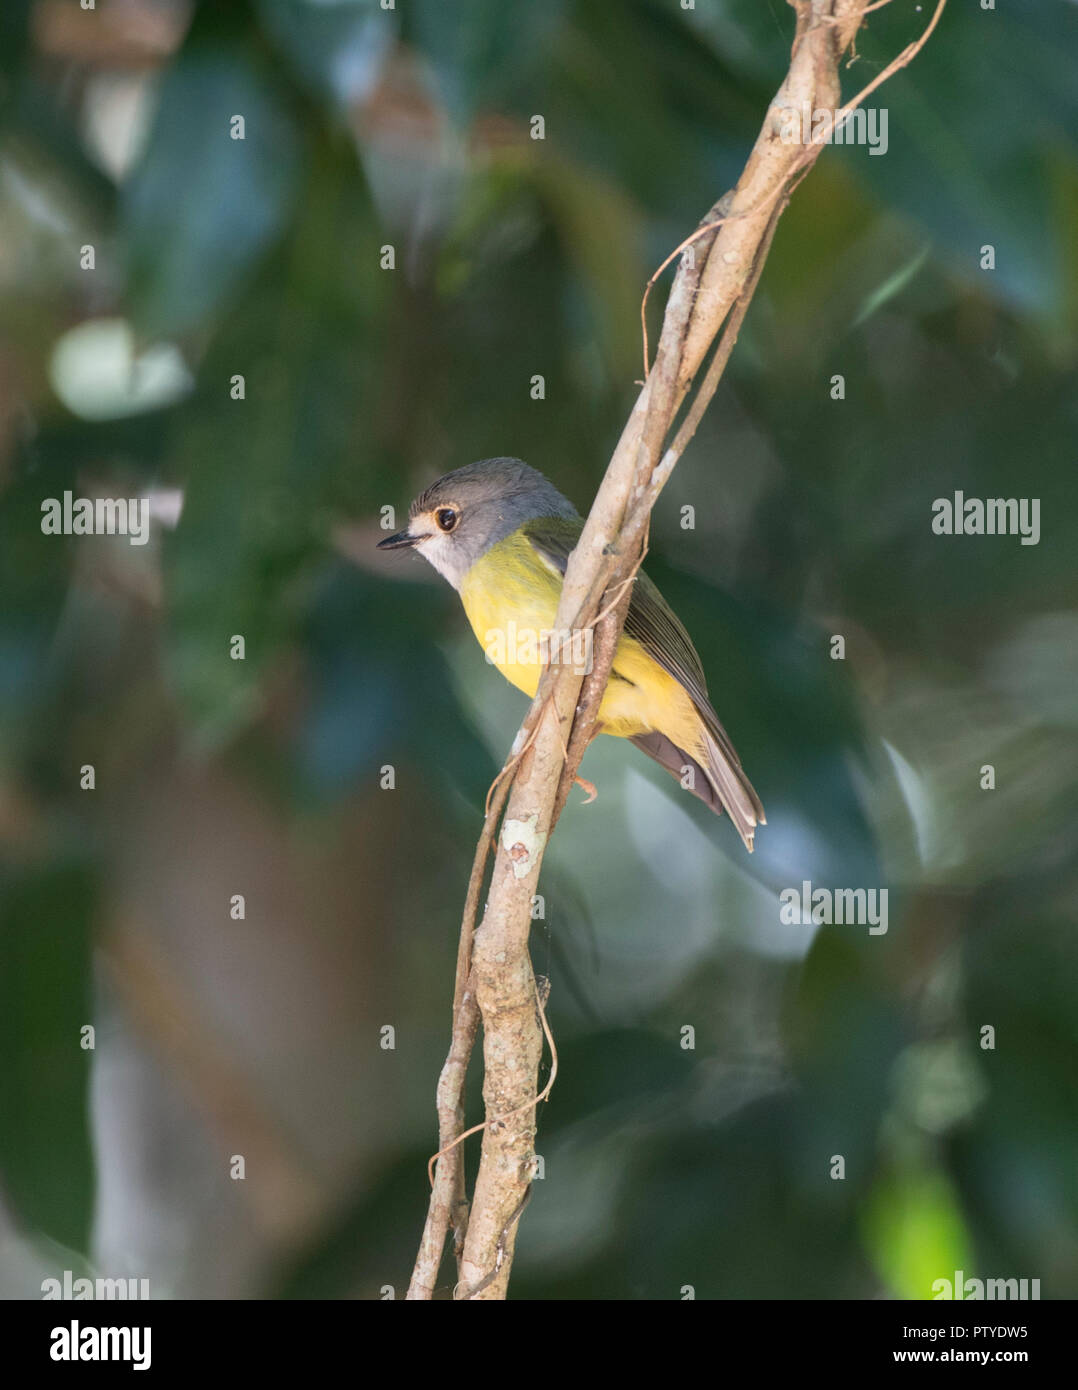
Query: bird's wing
[{"x": 650, "y": 620}]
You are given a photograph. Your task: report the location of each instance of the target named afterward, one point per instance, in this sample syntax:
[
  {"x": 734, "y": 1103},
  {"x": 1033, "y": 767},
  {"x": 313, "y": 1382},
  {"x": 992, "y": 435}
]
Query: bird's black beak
[{"x": 403, "y": 540}]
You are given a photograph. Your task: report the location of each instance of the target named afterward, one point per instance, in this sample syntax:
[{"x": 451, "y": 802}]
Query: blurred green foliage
[{"x": 265, "y": 258}]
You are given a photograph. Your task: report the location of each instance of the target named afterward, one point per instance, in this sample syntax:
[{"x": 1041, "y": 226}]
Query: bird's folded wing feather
[{"x": 650, "y": 620}]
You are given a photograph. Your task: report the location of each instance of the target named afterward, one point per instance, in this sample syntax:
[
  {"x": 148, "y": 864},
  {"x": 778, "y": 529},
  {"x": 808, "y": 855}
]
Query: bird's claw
[{"x": 590, "y": 787}]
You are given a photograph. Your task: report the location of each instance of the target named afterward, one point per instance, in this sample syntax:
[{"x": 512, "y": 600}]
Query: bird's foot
[{"x": 590, "y": 787}]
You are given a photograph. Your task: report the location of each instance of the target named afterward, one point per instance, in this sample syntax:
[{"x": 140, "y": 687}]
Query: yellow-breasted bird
[{"x": 502, "y": 534}]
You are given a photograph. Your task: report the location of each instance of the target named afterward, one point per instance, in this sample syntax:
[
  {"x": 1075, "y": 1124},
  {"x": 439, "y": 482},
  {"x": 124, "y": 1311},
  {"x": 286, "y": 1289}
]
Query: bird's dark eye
[{"x": 446, "y": 517}]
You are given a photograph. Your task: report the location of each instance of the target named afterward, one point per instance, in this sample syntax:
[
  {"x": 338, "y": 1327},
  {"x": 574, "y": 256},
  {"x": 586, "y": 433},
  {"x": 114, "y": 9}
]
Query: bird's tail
[
  {"x": 718, "y": 778},
  {"x": 737, "y": 794}
]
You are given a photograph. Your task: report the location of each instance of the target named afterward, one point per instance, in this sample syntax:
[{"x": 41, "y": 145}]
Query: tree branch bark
[{"x": 710, "y": 295}]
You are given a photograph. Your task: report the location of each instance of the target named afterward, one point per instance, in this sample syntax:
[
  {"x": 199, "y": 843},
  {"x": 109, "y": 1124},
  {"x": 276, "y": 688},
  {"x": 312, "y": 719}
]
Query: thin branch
[
  {"x": 503, "y": 1119},
  {"x": 448, "y": 1199}
]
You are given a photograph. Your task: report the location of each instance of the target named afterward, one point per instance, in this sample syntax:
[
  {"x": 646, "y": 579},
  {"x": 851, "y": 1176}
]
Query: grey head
[{"x": 465, "y": 512}]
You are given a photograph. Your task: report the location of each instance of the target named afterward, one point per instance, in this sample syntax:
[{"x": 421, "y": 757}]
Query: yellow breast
[{"x": 511, "y": 599}]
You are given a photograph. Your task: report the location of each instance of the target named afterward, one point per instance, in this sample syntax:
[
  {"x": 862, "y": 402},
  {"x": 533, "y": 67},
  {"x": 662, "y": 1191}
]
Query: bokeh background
[{"x": 665, "y": 1166}]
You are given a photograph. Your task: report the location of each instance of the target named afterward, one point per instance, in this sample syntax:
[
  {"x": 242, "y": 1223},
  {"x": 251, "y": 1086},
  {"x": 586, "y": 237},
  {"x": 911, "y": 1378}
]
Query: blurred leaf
[
  {"x": 46, "y": 1163},
  {"x": 337, "y": 48},
  {"x": 265, "y": 475},
  {"x": 953, "y": 141},
  {"x": 892, "y": 286},
  {"x": 915, "y": 1232},
  {"x": 1019, "y": 1157},
  {"x": 14, "y": 37},
  {"x": 382, "y": 691},
  {"x": 202, "y": 207},
  {"x": 601, "y": 230},
  {"x": 482, "y": 50}
]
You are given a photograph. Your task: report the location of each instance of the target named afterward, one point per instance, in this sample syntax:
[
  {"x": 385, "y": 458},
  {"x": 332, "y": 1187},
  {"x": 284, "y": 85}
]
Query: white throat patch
[{"x": 444, "y": 556}]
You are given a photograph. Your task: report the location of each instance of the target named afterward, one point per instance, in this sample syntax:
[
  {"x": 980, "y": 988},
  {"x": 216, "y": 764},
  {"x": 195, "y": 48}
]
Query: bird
[{"x": 501, "y": 534}]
